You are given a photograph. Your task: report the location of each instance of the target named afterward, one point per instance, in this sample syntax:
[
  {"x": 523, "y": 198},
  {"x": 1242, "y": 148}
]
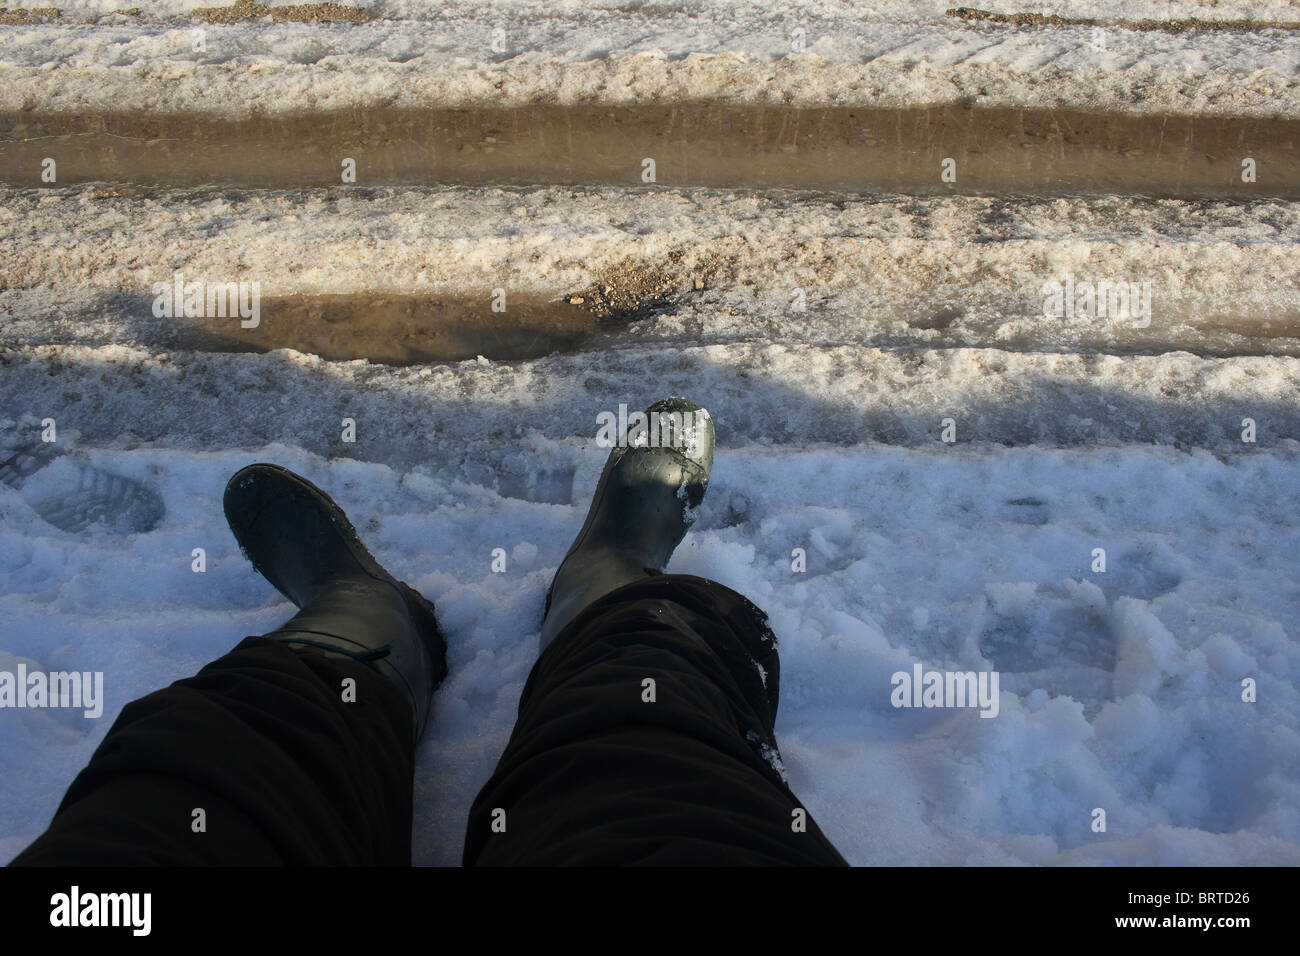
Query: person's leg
[
  {"x": 645, "y": 731},
  {"x": 295, "y": 748},
  {"x": 255, "y": 760},
  {"x": 606, "y": 768}
]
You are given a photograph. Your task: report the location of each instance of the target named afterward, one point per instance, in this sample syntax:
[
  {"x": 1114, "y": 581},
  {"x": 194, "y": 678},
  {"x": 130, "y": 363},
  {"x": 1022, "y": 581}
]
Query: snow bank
[
  {"x": 888, "y": 55},
  {"x": 1224, "y": 278}
]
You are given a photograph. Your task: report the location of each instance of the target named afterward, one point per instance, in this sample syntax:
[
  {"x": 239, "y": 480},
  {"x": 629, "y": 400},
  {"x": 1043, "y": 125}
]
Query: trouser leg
[
  {"x": 645, "y": 736},
  {"x": 288, "y": 762}
]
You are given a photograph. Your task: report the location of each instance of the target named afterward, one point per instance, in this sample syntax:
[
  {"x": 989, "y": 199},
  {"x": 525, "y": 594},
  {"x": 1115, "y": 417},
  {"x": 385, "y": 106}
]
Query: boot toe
[{"x": 292, "y": 532}]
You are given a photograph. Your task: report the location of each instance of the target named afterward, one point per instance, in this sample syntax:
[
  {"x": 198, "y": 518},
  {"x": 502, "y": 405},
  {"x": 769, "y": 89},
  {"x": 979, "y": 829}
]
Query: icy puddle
[
  {"x": 1036, "y": 152},
  {"x": 414, "y": 330},
  {"x": 398, "y": 329}
]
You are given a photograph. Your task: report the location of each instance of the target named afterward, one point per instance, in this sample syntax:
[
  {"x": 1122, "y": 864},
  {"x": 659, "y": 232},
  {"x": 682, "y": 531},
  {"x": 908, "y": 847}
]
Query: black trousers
[{"x": 644, "y": 737}]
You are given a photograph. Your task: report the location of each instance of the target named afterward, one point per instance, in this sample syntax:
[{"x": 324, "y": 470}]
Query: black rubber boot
[
  {"x": 643, "y": 506},
  {"x": 302, "y": 542}
]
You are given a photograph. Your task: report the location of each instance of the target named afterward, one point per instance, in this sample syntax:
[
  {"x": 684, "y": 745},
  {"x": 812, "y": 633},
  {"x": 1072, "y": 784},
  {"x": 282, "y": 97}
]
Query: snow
[
  {"x": 886, "y": 54},
  {"x": 1120, "y": 689}
]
